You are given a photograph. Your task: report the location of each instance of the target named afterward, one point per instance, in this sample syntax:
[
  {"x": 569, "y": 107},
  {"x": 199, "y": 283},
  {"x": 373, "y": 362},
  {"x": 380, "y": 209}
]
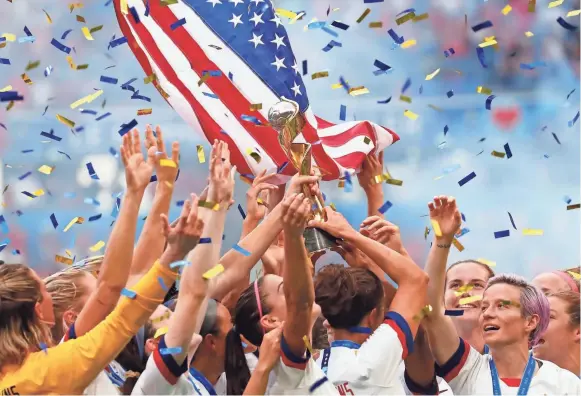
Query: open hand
[
  {"x": 446, "y": 213},
  {"x": 295, "y": 212},
  {"x": 221, "y": 187},
  {"x": 165, "y": 174},
  {"x": 335, "y": 225},
  {"x": 138, "y": 170},
  {"x": 259, "y": 185},
  {"x": 295, "y": 185},
  {"x": 371, "y": 167},
  {"x": 184, "y": 234},
  {"x": 382, "y": 231}
]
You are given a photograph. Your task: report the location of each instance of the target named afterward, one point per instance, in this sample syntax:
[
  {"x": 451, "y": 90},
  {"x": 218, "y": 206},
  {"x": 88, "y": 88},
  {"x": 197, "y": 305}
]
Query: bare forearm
[
  {"x": 374, "y": 200},
  {"x": 419, "y": 364},
  {"x": 299, "y": 291},
  {"x": 151, "y": 241},
  {"x": 248, "y": 225},
  {"x": 436, "y": 270}
]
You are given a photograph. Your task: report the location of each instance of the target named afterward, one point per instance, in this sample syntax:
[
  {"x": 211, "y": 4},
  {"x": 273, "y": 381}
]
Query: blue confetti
[
  {"x": 532, "y": 66},
  {"x": 96, "y": 217},
  {"x": 381, "y": 66},
  {"x": 332, "y": 44},
  {"x": 251, "y": 119},
  {"x": 556, "y": 138},
  {"x": 330, "y": 31},
  {"x": 113, "y": 152},
  {"x": 481, "y": 57},
  {"x": 27, "y": 31},
  {"x": 178, "y": 23},
  {"x": 450, "y": 93},
  {"x": 4, "y": 61},
  {"x": 108, "y": 80},
  {"x": 462, "y": 232},
  {"x": 453, "y": 312},
  {"x": 567, "y": 199},
  {"x": 337, "y": 24},
  {"x": 27, "y": 151},
  {"x": 463, "y": 217},
  {"x": 47, "y": 71},
  {"x": 141, "y": 97},
  {"x": 25, "y": 175},
  {"x": 385, "y": 207},
  {"x": 65, "y": 34},
  {"x": 305, "y": 68},
  {"x": 3, "y": 225},
  {"x": 282, "y": 167},
  {"x": 449, "y": 52},
  {"x": 102, "y": 116},
  {"x": 45, "y": 109},
  {"x": 511, "y": 220},
  {"x": 508, "y": 151},
  {"x": 88, "y": 111},
  {"x": 489, "y": 101},
  {"x": 91, "y": 171},
  {"x": 210, "y": 95},
  {"x": 501, "y": 234},
  {"x": 395, "y": 37},
  {"x": 241, "y": 250},
  {"x": 63, "y": 153},
  {"x": 179, "y": 204},
  {"x": 570, "y": 93},
  {"x": 480, "y": 26},
  {"x": 205, "y": 240},
  {"x": 116, "y": 42},
  {"x": 574, "y": 120},
  {"x": 127, "y": 127},
  {"x": 60, "y": 46},
  {"x": 55, "y": 223},
  {"x": 566, "y": 24},
  {"x": 128, "y": 293},
  {"x": 170, "y": 351},
  {"x": 466, "y": 179},
  {"x": 5, "y": 243},
  {"x": 406, "y": 11},
  {"x": 386, "y": 101},
  {"x": 241, "y": 211},
  {"x": 344, "y": 84},
  {"x": 446, "y": 129},
  {"x": 9, "y": 96},
  {"x": 91, "y": 201},
  {"x": 44, "y": 347},
  {"x": 134, "y": 13},
  {"x": 343, "y": 112},
  {"x": 51, "y": 135},
  {"x": 406, "y": 85}
]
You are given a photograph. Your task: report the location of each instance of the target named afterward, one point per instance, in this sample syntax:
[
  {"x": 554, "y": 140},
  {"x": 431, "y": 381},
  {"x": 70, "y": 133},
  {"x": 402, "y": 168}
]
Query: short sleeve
[{"x": 463, "y": 368}]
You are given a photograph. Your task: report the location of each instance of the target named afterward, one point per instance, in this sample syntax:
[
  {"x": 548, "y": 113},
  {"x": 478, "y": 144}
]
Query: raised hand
[
  {"x": 165, "y": 174},
  {"x": 270, "y": 349},
  {"x": 353, "y": 257},
  {"x": 138, "y": 170},
  {"x": 444, "y": 210},
  {"x": 295, "y": 185},
  {"x": 221, "y": 187},
  {"x": 382, "y": 231},
  {"x": 371, "y": 167},
  {"x": 295, "y": 212},
  {"x": 335, "y": 224},
  {"x": 260, "y": 184},
  {"x": 184, "y": 234}
]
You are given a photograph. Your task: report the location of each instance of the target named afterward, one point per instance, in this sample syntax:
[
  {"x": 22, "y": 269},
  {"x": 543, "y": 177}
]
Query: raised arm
[
  {"x": 193, "y": 288},
  {"x": 151, "y": 241},
  {"x": 410, "y": 296},
  {"x": 269, "y": 356},
  {"x": 440, "y": 328},
  {"x": 371, "y": 167},
  {"x": 254, "y": 210},
  {"x": 118, "y": 255}
]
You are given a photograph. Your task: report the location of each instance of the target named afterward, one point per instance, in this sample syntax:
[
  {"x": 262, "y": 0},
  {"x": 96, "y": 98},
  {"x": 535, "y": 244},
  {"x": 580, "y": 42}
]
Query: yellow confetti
[
  {"x": 47, "y": 170},
  {"x": 83, "y": 66},
  {"x": 297, "y": 17},
  {"x": 573, "y": 13},
  {"x": 6, "y": 88},
  {"x": 375, "y": 25},
  {"x": 484, "y": 90},
  {"x": 436, "y": 228},
  {"x": 356, "y": 91},
  {"x": 152, "y": 77},
  {"x": 256, "y": 106},
  {"x": 463, "y": 289},
  {"x": 215, "y": 271},
  {"x": 78, "y": 220},
  {"x": 404, "y": 18},
  {"x": 338, "y": 85},
  {"x": 98, "y": 246},
  {"x": 421, "y": 17},
  {"x": 72, "y": 6},
  {"x": 532, "y": 232},
  {"x": 32, "y": 65},
  {"x": 254, "y": 155},
  {"x": 469, "y": 300},
  {"x": 201, "y": 155},
  {"x": 394, "y": 182},
  {"x": 378, "y": 179},
  {"x": 425, "y": 311},
  {"x": 332, "y": 206},
  {"x": 48, "y": 18},
  {"x": 432, "y": 75},
  {"x": 457, "y": 244},
  {"x": 26, "y": 79},
  {"x": 308, "y": 344},
  {"x": 87, "y": 99},
  {"x": 161, "y": 331},
  {"x": 498, "y": 154},
  {"x": 507, "y": 8},
  {"x": 575, "y": 275},
  {"x": 63, "y": 260},
  {"x": 9, "y": 36},
  {"x": 285, "y": 13},
  {"x": 10, "y": 105},
  {"x": 70, "y": 61},
  {"x": 411, "y": 115},
  {"x": 167, "y": 162},
  {"x": 320, "y": 74},
  {"x": 408, "y": 43},
  {"x": 141, "y": 112},
  {"x": 38, "y": 193},
  {"x": 406, "y": 99},
  {"x": 532, "y": 5},
  {"x": 487, "y": 43},
  {"x": 487, "y": 262},
  {"x": 86, "y": 33},
  {"x": 362, "y": 17},
  {"x": 68, "y": 253},
  {"x": 555, "y": 3}
]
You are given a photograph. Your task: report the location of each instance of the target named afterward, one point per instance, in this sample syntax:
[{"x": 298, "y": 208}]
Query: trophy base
[{"x": 317, "y": 240}]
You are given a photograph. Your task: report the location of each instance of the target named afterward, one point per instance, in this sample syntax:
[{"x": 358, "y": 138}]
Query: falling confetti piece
[
  {"x": 308, "y": 344},
  {"x": 362, "y": 17},
  {"x": 87, "y": 33},
  {"x": 320, "y": 74},
  {"x": 489, "y": 101},
  {"x": 47, "y": 170},
  {"x": 466, "y": 179},
  {"x": 161, "y": 331},
  {"x": 506, "y": 10},
  {"x": 53, "y": 220},
  {"x": 48, "y": 18},
  {"x": 201, "y": 155},
  {"x": 574, "y": 120},
  {"x": 406, "y": 99},
  {"x": 508, "y": 151},
  {"x": 529, "y": 34},
  {"x": 481, "y": 26},
  {"x": 566, "y": 24},
  {"x": 212, "y": 273},
  {"x": 436, "y": 228},
  {"x": 63, "y": 260},
  {"x": 356, "y": 91},
  {"x": 501, "y": 234},
  {"x": 532, "y": 5},
  {"x": 574, "y": 206},
  {"x": 420, "y": 17},
  {"x": 483, "y": 90},
  {"x": 96, "y": 247},
  {"x": 498, "y": 154},
  {"x": 166, "y": 162},
  {"x": 432, "y": 75},
  {"x": 141, "y": 112},
  {"x": 26, "y": 79},
  {"x": 385, "y": 207},
  {"x": 86, "y": 99},
  {"x": 376, "y": 25},
  {"x": 76, "y": 220},
  {"x": 410, "y": 114},
  {"x": 454, "y": 312},
  {"x": 403, "y": 19},
  {"x": 450, "y": 93},
  {"x": 487, "y": 43},
  {"x": 408, "y": 43},
  {"x": 555, "y": 3},
  {"x": 487, "y": 262},
  {"x": 573, "y": 13},
  {"x": 469, "y": 300},
  {"x": 532, "y": 232},
  {"x": 178, "y": 23},
  {"x": 65, "y": 121}
]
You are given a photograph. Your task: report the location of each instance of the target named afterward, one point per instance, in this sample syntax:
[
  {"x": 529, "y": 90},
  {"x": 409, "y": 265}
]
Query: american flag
[{"x": 214, "y": 59}]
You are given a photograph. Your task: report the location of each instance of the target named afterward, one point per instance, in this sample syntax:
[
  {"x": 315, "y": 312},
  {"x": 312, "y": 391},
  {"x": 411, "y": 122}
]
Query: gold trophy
[{"x": 287, "y": 120}]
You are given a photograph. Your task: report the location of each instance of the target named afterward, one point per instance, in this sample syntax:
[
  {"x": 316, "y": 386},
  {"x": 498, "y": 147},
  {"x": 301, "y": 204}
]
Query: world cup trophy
[{"x": 288, "y": 121}]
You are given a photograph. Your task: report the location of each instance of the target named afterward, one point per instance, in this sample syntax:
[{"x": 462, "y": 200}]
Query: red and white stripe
[{"x": 179, "y": 58}]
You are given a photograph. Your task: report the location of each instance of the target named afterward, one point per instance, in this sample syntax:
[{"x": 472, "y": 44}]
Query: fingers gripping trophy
[{"x": 288, "y": 121}]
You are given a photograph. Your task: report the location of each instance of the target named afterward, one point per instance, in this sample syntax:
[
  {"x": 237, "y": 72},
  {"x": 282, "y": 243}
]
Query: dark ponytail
[{"x": 246, "y": 322}]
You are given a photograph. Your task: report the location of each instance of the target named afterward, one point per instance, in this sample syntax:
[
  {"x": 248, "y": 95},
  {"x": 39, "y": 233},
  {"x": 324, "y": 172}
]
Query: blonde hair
[
  {"x": 66, "y": 290},
  {"x": 21, "y": 330}
]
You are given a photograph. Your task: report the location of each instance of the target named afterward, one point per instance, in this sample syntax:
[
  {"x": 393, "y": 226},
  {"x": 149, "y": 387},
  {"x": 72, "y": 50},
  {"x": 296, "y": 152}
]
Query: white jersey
[
  {"x": 468, "y": 372},
  {"x": 374, "y": 367}
]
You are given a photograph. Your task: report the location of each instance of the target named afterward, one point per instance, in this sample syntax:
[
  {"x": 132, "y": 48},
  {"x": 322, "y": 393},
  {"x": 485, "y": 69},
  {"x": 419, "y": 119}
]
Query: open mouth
[
  {"x": 467, "y": 306},
  {"x": 489, "y": 328}
]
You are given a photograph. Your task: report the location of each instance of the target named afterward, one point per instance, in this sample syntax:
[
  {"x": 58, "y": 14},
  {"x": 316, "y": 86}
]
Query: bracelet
[{"x": 444, "y": 246}]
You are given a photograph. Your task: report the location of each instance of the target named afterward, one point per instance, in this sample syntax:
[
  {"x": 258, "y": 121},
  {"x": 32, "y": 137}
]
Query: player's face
[
  {"x": 463, "y": 281},
  {"x": 560, "y": 335},
  {"x": 550, "y": 283},
  {"x": 501, "y": 320}
]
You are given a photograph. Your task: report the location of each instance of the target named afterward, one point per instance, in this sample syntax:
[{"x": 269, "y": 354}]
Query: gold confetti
[
  {"x": 425, "y": 311},
  {"x": 375, "y": 25},
  {"x": 432, "y": 75},
  {"x": 32, "y": 65},
  {"x": 484, "y": 90},
  {"x": 308, "y": 344},
  {"x": 98, "y": 246},
  {"x": 532, "y": 232},
  {"x": 411, "y": 115},
  {"x": 436, "y": 228},
  {"x": 498, "y": 154},
  {"x": 62, "y": 259},
  {"x": 341, "y": 183},
  {"x": 575, "y": 275},
  {"x": 254, "y": 107},
  {"x": 161, "y": 331},
  {"x": 87, "y": 99},
  {"x": 394, "y": 182},
  {"x": 168, "y": 163},
  {"x": 487, "y": 43},
  {"x": 141, "y": 112},
  {"x": 469, "y": 300},
  {"x": 574, "y": 206},
  {"x": 83, "y": 66},
  {"x": 426, "y": 233},
  {"x": 201, "y": 155},
  {"x": 47, "y": 170},
  {"x": 70, "y": 61},
  {"x": 80, "y": 19},
  {"x": 463, "y": 289},
  {"x": 152, "y": 77},
  {"x": 161, "y": 318},
  {"x": 76, "y": 220},
  {"x": 68, "y": 253},
  {"x": 404, "y": 18},
  {"x": 285, "y": 13},
  {"x": 573, "y": 13},
  {"x": 356, "y": 91},
  {"x": 507, "y": 8},
  {"x": 209, "y": 205},
  {"x": 405, "y": 98},
  {"x": 38, "y": 193},
  {"x": 529, "y": 34},
  {"x": 434, "y": 107},
  {"x": 332, "y": 206},
  {"x": 48, "y": 18},
  {"x": 362, "y": 17},
  {"x": 408, "y": 43},
  {"x": 254, "y": 155},
  {"x": 555, "y": 3},
  {"x": 532, "y": 5},
  {"x": 6, "y": 88},
  {"x": 457, "y": 244},
  {"x": 26, "y": 79},
  {"x": 96, "y": 29},
  {"x": 86, "y": 33},
  {"x": 10, "y": 105},
  {"x": 421, "y": 17},
  {"x": 65, "y": 121},
  {"x": 72, "y": 6},
  {"x": 320, "y": 74},
  {"x": 215, "y": 271},
  {"x": 168, "y": 2},
  {"x": 487, "y": 262}
]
